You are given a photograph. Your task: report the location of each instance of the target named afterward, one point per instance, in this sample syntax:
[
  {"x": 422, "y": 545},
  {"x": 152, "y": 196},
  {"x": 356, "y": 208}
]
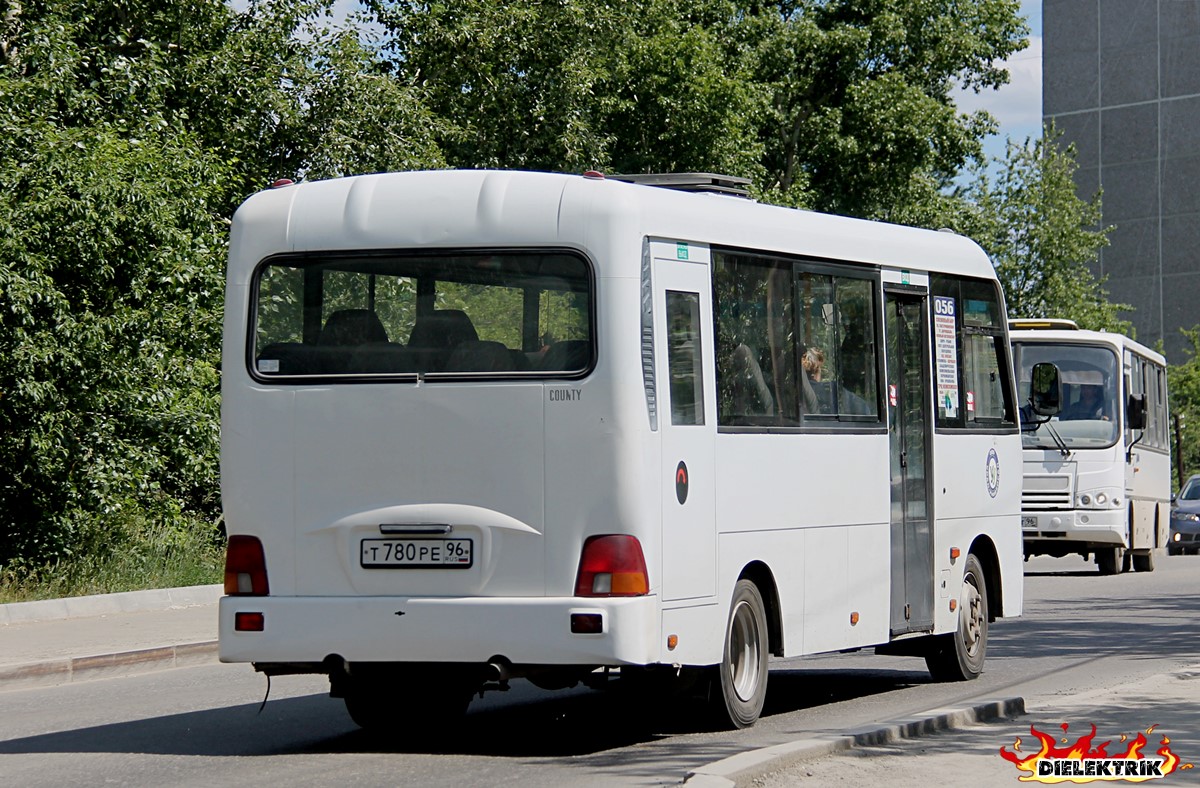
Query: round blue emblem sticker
[{"x": 992, "y": 470}]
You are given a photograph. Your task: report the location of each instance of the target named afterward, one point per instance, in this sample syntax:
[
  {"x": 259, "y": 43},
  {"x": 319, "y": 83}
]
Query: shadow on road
[{"x": 597, "y": 726}]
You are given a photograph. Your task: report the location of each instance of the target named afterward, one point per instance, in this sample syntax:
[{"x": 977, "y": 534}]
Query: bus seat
[
  {"x": 479, "y": 356},
  {"x": 570, "y": 354},
  {"x": 353, "y": 327},
  {"x": 382, "y": 359},
  {"x": 287, "y": 358},
  {"x": 442, "y": 329}
]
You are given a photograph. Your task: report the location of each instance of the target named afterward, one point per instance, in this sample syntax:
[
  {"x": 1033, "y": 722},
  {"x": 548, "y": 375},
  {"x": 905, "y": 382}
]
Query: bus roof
[
  {"x": 481, "y": 208},
  {"x": 1084, "y": 337}
]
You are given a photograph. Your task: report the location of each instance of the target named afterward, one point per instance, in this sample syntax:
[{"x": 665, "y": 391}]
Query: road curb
[
  {"x": 744, "y": 767},
  {"x": 66, "y": 670},
  {"x": 108, "y": 604}
]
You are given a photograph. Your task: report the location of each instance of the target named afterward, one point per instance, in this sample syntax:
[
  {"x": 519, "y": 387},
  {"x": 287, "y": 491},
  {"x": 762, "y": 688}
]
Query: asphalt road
[{"x": 202, "y": 726}]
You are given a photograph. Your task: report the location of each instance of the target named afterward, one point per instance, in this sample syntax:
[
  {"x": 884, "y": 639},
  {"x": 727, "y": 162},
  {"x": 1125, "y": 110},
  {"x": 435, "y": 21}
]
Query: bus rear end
[{"x": 385, "y": 463}]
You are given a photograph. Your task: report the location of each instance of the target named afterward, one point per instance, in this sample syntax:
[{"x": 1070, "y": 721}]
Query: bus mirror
[
  {"x": 1045, "y": 389},
  {"x": 1135, "y": 412}
]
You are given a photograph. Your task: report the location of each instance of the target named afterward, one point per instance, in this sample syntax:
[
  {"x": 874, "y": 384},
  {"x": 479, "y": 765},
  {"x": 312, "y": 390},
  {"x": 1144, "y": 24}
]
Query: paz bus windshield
[{"x": 1089, "y": 418}]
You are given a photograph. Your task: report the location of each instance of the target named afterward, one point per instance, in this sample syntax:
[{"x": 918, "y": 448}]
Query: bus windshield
[
  {"x": 1090, "y": 384},
  {"x": 492, "y": 313}
]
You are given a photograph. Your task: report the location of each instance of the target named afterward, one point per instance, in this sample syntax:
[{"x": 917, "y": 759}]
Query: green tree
[
  {"x": 861, "y": 110},
  {"x": 636, "y": 86},
  {"x": 839, "y": 105},
  {"x": 1040, "y": 235},
  {"x": 1183, "y": 385},
  {"x": 131, "y": 131}
]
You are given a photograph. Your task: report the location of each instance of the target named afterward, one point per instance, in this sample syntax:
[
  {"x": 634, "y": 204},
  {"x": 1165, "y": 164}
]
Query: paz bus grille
[{"x": 1043, "y": 492}]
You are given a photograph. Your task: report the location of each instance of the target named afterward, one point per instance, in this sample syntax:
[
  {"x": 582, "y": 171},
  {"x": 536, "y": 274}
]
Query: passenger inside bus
[{"x": 1089, "y": 405}]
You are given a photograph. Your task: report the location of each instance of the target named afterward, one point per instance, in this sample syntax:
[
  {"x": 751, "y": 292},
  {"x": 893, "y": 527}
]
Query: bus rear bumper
[
  {"x": 1073, "y": 529},
  {"x": 471, "y": 630}
]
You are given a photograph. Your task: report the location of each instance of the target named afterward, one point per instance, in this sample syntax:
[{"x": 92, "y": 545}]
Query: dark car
[{"x": 1185, "y": 519}]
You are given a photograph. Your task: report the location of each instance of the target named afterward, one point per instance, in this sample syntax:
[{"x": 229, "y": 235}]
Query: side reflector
[
  {"x": 587, "y": 623},
  {"x": 245, "y": 567},
  {"x": 672, "y": 642},
  {"x": 953, "y": 605},
  {"x": 854, "y": 619},
  {"x": 249, "y": 622},
  {"x": 954, "y": 553},
  {"x": 612, "y": 565}
]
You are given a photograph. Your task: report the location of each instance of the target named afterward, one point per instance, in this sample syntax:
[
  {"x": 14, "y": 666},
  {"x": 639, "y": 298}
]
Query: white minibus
[
  {"x": 487, "y": 425},
  {"x": 1097, "y": 475}
]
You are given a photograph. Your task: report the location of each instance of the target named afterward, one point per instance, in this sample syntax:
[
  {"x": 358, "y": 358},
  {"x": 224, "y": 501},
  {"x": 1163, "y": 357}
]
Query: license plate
[
  {"x": 1029, "y": 522},
  {"x": 416, "y": 554}
]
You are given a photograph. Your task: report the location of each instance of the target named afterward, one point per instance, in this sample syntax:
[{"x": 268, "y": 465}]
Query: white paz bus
[
  {"x": 479, "y": 426},
  {"x": 1098, "y": 474}
]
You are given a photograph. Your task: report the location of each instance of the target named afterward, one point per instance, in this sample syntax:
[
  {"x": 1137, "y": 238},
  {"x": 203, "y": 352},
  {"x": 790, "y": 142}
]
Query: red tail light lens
[
  {"x": 612, "y": 565},
  {"x": 245, "y": 567}
]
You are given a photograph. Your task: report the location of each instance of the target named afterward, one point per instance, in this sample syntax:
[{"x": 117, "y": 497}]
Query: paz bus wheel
[
  {"x": 959, "y": 655},
  {"x": 742, "y": 674},
  {"x": 1110, "y": 560}
]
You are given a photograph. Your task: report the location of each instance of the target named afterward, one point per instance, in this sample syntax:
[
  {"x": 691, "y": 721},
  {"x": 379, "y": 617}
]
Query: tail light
[
  {"x": 612, "y": 565},
  {"x": 245, "y": 567}
]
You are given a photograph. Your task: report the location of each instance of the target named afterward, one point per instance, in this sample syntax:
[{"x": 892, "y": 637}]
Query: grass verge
[{"x": 131, "y": 556}]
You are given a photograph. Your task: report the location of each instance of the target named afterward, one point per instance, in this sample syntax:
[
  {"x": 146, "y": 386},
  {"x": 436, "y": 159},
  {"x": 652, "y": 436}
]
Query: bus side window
[{"x": 685, "y": 358}]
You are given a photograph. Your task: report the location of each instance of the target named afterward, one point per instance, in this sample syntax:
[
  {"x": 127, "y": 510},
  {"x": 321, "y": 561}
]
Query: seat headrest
[
  {"x": 353, "y": 327},
  {"x": 442, "y": 328}
]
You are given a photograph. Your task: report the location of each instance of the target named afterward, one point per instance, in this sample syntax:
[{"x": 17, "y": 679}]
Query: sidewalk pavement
[{"x": 58, "y": 641}]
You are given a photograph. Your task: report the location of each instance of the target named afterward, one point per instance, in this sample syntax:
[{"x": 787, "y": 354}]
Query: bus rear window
[{"x": 494, "y": 313}]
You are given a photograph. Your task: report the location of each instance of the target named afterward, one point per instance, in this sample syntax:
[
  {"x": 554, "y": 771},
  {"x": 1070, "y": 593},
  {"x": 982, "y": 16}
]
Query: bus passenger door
[
  {"x": 686, "y": 417},
  {"x": 908, "y": 428}
]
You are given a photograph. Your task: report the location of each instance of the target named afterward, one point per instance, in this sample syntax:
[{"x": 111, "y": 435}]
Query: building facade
[{"x": 1121, "y": 80}]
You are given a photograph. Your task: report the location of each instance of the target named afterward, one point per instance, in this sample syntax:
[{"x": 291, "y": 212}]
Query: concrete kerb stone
[
  {"x": 65, "y": 670},
  {"x": 108, "y": 604},
  {"x": 744, "y": 767}
]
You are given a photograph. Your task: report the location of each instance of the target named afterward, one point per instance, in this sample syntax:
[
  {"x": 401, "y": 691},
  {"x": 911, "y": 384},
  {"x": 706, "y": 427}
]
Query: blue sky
[{"x": 1018, "y": 105}]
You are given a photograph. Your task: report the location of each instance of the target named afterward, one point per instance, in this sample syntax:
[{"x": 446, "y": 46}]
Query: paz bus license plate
[
  {"x": 416, "y": 553},
  {"x": 1029, "y": 522}
]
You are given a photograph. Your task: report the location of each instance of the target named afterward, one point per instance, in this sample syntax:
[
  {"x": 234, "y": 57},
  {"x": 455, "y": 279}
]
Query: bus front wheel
[
  {"x": 1111, "y": 560},
  {"x": 742, "y": 674},
  {"x": 959, "y": 655}
]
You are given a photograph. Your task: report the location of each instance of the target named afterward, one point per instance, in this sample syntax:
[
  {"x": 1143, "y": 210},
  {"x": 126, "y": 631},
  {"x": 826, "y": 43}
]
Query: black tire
[
  {"x": 1143, "y": 562},
  {"x": 1109, "y": 560},
  {"x": 959, "y": 656},
  {"x": 742, "y": 675},
  {"x": 417, "y": 714}
]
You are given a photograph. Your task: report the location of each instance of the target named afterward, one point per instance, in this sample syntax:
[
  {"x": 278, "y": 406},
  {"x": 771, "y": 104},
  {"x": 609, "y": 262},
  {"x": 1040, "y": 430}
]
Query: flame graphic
[{"x": 1083, "y": 750}]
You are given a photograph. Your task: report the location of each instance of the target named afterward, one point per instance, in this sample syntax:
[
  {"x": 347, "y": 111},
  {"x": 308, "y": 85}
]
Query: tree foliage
[
  {"x": 833, "y": 104},
  {"x": 131, "y": 130},
  {"x": 1183, "y": 386},
  {"x": 1040, "y": 235}
]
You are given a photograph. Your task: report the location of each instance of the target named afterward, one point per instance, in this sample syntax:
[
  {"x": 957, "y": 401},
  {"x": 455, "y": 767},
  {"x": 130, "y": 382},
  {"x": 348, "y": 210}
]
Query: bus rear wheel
[
  {"x": 742, "y": 674},
  {"x": 959, "y": 655},
  {"x": 422, "y": 710}
]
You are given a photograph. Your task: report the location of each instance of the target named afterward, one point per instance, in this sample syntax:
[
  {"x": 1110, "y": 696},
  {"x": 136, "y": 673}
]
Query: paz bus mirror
[
  {"x": 1045, "y": 389},
  {"x": 1135, "y": 412}
]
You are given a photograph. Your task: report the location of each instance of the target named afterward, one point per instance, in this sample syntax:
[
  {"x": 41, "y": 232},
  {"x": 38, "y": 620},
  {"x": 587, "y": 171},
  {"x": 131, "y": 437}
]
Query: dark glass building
[{"x": 1121, "y": 79}]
